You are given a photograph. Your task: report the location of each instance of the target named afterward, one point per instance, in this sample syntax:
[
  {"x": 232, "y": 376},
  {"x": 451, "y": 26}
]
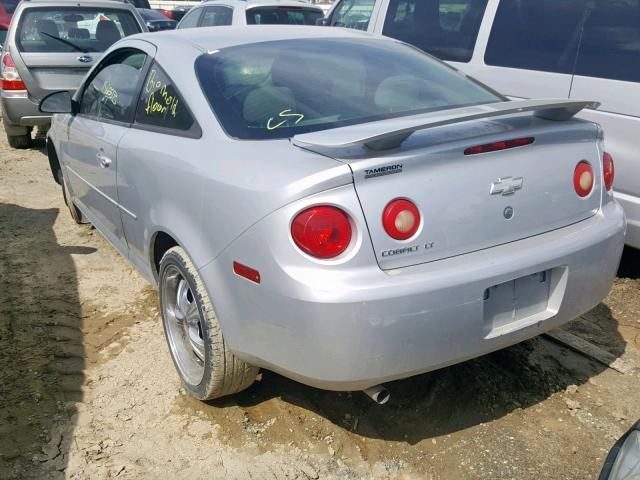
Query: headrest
[
  {"x": 48, "y": 26},
  {"x": 82, "y": 33},
  {"x": 107, "y": 32},
  {"x": 400, "y": 92},
  {"x": 266, "y": 102}
]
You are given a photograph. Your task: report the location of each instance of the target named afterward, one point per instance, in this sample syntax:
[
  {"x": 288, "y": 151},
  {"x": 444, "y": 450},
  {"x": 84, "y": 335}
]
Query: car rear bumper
[
  {"x": 21, "y": 111},
  {"x": 631, "y": 206},
  {"x": 349, "y": 332}
]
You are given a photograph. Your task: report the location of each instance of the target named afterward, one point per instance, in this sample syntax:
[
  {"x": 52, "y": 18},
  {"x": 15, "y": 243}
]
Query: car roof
[
  {"x": 247, "y": 4},
  {"x": 78, "y": 3},
  {"x": 215, "y": 38}
]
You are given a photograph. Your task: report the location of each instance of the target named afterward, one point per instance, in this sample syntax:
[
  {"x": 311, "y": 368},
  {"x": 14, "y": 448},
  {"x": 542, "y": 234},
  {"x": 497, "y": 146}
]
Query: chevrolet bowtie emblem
[{"x": 506, "y": 186}]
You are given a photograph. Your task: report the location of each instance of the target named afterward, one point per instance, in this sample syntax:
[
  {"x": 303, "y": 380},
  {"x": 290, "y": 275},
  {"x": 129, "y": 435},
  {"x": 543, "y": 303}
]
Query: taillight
[
  {"x": 401, "y": 219},
  {"x": 10, "y": 77},
  {"x": 607, "y": 170},
  {"x": 13, "y": 85},
  {"x": 7, "y": 61},
  {"x": 502, "y": 145},
  {"x": 168, "y": 13},
  {"x": 322, "y": 231},
  {"x": 583, "y": 178}
]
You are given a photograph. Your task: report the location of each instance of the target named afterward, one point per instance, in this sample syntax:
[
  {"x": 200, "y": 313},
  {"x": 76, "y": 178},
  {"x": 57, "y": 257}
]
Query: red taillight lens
[
  {"x": 322, "y": 231},
  {"x": 401, "y": 219},
  {"x": 10, "y": 77},
  {"x": 503, "y": 145},
  {"x": 608, "y": 170},
  {"x": 13, "y": 85},
  {"x": 583, "y": 178},
  {"x": 168, "y": 13},
  {"x": 7, "y": 61}
]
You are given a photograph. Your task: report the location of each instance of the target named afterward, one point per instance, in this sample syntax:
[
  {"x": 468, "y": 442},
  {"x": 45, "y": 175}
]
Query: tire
[
  {"x": 19, "y": 141},
  {"x": 207, "y": 368},
  {"x": 76, "y": 214}
]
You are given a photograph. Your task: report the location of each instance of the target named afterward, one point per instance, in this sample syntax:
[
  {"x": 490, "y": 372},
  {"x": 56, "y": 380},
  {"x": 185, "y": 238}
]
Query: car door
[
  {"x": 107, "y": 104},
  {"x": 156, "y": 165},
  {"x": 608, "y": 70}
]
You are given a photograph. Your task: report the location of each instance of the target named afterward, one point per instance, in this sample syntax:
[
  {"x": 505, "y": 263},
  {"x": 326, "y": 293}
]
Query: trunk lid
[
  {"x": 45, "y": 73},
  {"x": 453, "y": 191}
]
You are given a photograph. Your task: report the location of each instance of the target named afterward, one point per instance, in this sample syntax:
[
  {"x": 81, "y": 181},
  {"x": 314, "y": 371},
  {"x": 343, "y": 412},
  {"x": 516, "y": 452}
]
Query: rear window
[
  {"x": 446, "y": 29},
  {"x": 283, "y": 16},
  {"x": 73, "y": 29},
  {"x": 279, "y": 89}
]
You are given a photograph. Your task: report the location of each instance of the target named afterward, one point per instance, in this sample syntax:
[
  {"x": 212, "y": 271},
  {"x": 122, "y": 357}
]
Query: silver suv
[{"x": 50, "y": 46}]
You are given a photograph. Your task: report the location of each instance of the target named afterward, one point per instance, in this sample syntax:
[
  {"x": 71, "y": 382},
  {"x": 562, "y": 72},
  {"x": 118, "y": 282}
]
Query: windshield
[
  {"x": 283, "y": 16},
  {"x": 279, "y": 89},
  {"x": 73, "y": 29}
]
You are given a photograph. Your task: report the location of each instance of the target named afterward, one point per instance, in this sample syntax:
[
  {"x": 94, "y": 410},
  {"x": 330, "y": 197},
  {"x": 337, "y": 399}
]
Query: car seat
[
  {"x": 267, "y": 102},
  {"x": 79, "y": 33},
  {"x": 48, "y": 27},
  {"x": 107, "y": 33}
]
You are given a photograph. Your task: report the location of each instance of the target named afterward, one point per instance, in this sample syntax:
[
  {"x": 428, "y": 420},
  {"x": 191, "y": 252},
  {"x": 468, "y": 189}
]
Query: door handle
[{"x": 105, "y": 162}]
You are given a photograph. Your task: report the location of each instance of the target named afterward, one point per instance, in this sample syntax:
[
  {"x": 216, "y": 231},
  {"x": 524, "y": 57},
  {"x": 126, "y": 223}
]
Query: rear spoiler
[{"x": 385, "y": 134}]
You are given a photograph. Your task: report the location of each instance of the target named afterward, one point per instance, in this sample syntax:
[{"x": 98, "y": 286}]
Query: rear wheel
[
  {"x": 19, "y": 141},
  {"x": 207, "y": 368}
]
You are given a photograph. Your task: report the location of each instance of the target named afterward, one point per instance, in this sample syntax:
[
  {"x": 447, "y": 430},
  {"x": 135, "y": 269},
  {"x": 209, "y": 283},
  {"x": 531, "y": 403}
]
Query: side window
[
  {"x": 353, "y": 14},
  {"x": 446, "y": 29},
  {"x": 113, "y": 91},
  {"x": 537, "y": 34},
  {"x": 160, "y": 104},
  {"x": 216, "y": 16},
  {"x": 610, "y": 45},
  {"x": 191, "y": 19}
]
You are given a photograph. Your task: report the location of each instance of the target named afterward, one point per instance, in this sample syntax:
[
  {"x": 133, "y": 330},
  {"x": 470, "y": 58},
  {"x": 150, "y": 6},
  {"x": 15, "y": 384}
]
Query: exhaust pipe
[{"x": 378, "y": 394}]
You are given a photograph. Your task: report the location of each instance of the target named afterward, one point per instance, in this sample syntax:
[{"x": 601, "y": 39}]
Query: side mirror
[
  {"x": 57, "y": 102},
  {"x": 322, "y": 22},
  {"x": 623, "y": 461}
]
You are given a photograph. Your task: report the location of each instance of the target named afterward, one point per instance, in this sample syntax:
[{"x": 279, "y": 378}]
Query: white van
[{"x": 582, "y": 49}]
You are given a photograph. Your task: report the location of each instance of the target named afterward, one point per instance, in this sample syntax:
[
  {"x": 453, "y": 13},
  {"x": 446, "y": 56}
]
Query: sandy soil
[{"x": 88, "y": 391}]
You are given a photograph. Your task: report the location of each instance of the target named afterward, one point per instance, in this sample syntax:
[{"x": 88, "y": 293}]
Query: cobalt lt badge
[{"x": 508, "y": 213}]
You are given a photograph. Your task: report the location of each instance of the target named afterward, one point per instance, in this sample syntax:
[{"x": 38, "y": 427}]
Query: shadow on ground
[
  {"x": 457, "y": 397},
  {"x": 41, "y": 350}
]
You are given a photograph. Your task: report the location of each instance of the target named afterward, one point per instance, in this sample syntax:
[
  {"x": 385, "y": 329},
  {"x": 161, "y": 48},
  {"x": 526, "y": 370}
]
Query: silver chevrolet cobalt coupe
[{"x": 339, "y": 208}]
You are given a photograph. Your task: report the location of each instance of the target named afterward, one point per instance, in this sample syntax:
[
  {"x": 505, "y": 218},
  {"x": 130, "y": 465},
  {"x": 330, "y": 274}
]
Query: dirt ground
[{"x": 88, "y": 391}]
